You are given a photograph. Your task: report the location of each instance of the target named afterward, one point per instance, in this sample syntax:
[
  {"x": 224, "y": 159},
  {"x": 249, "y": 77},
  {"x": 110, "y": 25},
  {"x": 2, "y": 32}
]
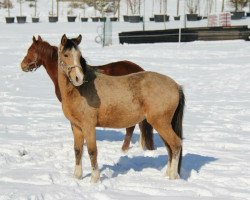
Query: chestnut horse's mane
[{"x": 45, "y": 50}]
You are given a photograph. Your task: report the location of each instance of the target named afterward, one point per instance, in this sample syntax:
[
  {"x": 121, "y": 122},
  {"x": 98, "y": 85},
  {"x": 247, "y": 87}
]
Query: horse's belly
[{"x": 115, "y": 118}]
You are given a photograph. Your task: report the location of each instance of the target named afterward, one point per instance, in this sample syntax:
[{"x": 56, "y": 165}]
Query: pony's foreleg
[
  {"x": 90, "y": 137},
  {"x": 78, "y": 147},
  {"x": 127, "y": 138}
]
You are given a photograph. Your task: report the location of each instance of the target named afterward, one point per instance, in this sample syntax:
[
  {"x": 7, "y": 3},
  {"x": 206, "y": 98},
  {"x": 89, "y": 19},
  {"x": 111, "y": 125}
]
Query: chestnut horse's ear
[
  {"x": 39, "y": 38},
  {"x": 34, "y": 39},
  {"x": 64, "y": 40},
  {"x": 79, "y": 39}
]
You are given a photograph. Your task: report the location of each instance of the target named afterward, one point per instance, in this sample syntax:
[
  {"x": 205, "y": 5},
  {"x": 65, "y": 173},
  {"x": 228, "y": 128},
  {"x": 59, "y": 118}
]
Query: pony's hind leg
[
  {"x": 173, "y": 144},
  {"x": 78, "y": 147},
  {"x": 169, "y": 157},
  {"x": 90, "y": 137},
  {"x": 127, "y": 138}
]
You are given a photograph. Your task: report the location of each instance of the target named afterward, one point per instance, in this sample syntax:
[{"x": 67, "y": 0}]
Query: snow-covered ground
[{"x": 36, "y": 143}]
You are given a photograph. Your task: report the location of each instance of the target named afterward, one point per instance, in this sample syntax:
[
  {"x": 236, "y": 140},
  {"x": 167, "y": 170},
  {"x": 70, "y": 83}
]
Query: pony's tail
[
  {"x": 146, "y": 137},
  {"x": 177, "y": 121}
]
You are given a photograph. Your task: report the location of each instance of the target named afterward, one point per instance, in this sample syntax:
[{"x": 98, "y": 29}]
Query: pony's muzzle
[{"x": 76, "y": 75}]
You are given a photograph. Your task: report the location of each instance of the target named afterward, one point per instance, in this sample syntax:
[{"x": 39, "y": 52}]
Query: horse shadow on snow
[
  {"x": 190, "y": 162},
  {"x": 113, "y": 135}
]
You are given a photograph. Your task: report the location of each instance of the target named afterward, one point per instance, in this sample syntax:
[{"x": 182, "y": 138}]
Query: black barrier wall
[{"x": 187, "y": 35}]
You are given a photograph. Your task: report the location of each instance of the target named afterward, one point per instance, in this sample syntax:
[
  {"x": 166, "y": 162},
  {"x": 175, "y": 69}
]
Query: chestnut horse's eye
[{"x": 65, "y": 55}]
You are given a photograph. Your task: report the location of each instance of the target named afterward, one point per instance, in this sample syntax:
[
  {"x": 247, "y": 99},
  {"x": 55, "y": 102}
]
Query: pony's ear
[
  {"x": 34, "y": 39},
  {"x": 78, "y": 39},
  {"x": 64, "y": 40},
  {"x": 39, "y": 38}
]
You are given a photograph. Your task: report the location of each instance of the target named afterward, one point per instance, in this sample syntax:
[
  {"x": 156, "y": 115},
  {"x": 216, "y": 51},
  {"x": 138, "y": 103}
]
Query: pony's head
[
  {"x": 31, "y": 61},
  {"x": 69, "y": 59}
]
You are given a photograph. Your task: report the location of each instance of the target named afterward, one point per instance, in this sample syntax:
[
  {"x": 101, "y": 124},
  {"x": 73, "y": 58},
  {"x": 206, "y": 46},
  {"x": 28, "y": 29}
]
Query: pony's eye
[{"x": 65, "y": 55}]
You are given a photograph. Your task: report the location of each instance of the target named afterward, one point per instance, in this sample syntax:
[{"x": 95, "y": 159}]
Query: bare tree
[
  {"x": 238, "y": 5},
  {"x": 116, "y": 7},
  {"x": 209, "y": 6},
  {"x": 57, "y": 8},
  {"x": 6, "y": 4},
  {"x": 35, "y": 8},
  {"x": 20, "y": 4},
  {"x": 127, "y": 6},
  {"x": 161, "y": 6},
  {"x": 192, "y": 6},
  {"x": 95, "y": 6},
  {"x": 178, "y": 7},
  {"x": 223, "y": 4},
  {"x": 119, "y": 9},
  {"x": 103, "y": 6},
  {"x": 134, "y": 6},
  {"x": 153, "y": 7},
  {"x": 165, "y": 3}
]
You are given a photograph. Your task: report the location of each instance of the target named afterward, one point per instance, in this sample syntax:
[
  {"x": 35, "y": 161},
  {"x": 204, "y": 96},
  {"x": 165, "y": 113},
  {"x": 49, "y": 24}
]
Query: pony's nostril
[{"x": 77, "y": 79}]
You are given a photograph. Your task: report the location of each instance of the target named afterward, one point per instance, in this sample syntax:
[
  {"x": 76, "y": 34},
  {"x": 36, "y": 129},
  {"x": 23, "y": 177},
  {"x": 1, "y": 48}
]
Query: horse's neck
[
  {"x": 65, "y": 86},
  {"x": 50, "y": 64},
  {"x": 51, "y": 68}
]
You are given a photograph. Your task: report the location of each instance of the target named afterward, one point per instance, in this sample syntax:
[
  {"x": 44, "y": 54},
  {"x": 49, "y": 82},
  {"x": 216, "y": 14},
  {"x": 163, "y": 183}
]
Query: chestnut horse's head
[
  {"x": 69, "y": 59},
  {"x": 31, "y": 61}
]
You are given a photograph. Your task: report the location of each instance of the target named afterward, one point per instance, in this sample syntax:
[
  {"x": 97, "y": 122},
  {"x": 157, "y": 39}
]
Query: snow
[{"x": 36, "y": 142}]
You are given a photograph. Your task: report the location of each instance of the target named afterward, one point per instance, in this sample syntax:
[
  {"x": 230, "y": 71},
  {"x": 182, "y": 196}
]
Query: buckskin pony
[
  {"x": 42, "y": 53},
  {"x": 91, "y": 99}
]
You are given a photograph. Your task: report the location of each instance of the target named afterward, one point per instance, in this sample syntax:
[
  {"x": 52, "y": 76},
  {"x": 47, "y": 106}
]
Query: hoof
[
  {"x": 78, "y": 172},
  {"x": 76, "y": 176},
  {"x": 95, "y": 176},
  {"x": 167, "y": 172},
  {"x": 174, "y": 176},
  {"x": 124, "y": 150}
]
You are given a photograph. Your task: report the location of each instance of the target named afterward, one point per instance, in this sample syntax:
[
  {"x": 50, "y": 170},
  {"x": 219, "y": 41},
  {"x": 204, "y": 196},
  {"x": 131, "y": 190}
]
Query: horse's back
[
  {"x": 146, "y": 85},
  {"x": 119, "y": 68}
]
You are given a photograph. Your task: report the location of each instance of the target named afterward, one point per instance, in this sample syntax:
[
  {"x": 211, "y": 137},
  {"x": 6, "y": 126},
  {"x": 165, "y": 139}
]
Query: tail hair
[{"x": 147, "y": 140}]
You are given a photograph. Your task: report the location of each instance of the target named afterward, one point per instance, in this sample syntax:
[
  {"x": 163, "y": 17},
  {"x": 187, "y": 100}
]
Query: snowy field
[{"x": 36, "y": 143}]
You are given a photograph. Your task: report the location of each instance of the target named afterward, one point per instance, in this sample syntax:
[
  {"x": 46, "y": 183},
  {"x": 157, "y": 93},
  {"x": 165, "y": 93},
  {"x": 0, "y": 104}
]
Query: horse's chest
[{"x": 71, "y": 111}]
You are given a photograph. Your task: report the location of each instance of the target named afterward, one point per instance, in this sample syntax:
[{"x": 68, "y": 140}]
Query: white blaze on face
[
  {"x": 75, "y": 57},
  {"x": 79, "y": 75},
  {"x": 78, "y": 71}
]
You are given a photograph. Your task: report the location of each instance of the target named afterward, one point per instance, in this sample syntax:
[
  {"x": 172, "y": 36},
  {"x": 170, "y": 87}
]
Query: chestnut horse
[
  {"x": 91, "y": 99},
  {"x": 42, "y": 53}
]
